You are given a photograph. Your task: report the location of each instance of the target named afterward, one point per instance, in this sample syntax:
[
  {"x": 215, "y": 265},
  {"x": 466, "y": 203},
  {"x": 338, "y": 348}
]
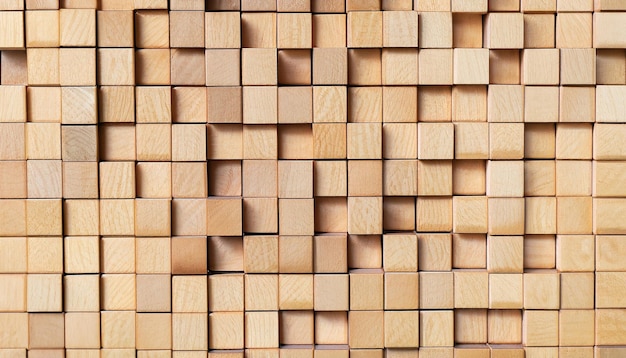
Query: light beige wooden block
[
  {"x": 153, "y": 331},
  {"x": 504, "y": 67},
  {"x": 189, "y": 105},
  {"x": 505, "y": 103},
  {"x": 258, "y": 30},
  {"x": 13, "y": 30},
  {"x": 293, "y": 30},
  {"x": 578, "y": 66},
  {"x": 436, "y": 328},
  {"x": 115, "y": 28},
  {"x": 607, "y": 30},
  {"x": 541, "y": 290},
  {"x": 607, "y": 323},
  {"x": 539, "y": 252},
  {"x": 473, "y": 174},
  {"x": 330, "y": 253},
  {"x": 364, "y": 66},
  {"x": 329, "y": 30},
  {"x": 190, "y": 331},
  {"x": 365, "y": 215},
  {"x": 434, "y": 104},
  {"x": 467, "y": 30},
  {"x": 365, "y": 104},
  {"x": 152, "y": 67},
  {"x": 580, "y": 283},
  {"x": 539, "y": 30},
  {"x": 541, "y": 328},
  {"x": 42, "y": 28},
  {"x": 400, "y": 28},
  {"x": 261, "y": 253},
  {"x": 505, "y": 178},
  {"x": 331, "y": 292},
  {"x": 506, "y": 140},
  {"x": 358, "y": 170},
  {"x": 118, "y": 292},
  {"x": 366, "y": 329},
  {"x": 471, "y": 66},
  {"x": 364, "y": 140},
  {"x": 470, "y": 214},
  {"x": 81, "y": 293},
  {"x": 504, "y": 326},
  {"x": 578, "y": 104},
  {"x": 14, "y": 67},
  {"x": 262, "y": 292},
  {"x": 574, "y": 30},
  {"x": 541, "y": 215},
  {"x": 401, "y": 290},
  {"x": 538, "y": 5},
  {"x": 435, "y": 28},
  {"x": 469, "y": 104},
  {"x": 505, "y": 254},
  {"x": 117, "y": 329},
  {"x": 471, "y": 289},
  {"x": 225, "y": 254},
  {"x": 116, "y": 104},
  {"x": 77, "y": 27},
  {"x": 401, "y": 329},
  {"x": 541, "y": 104},
  {"x": 154, "y": 293},
  {"x": 539, "y": 178},
  {"x": 399, "y": 66},
  {"x": 18, "y": 322},
  {"x": 118, "y": 255},
  {"x": 295, "y": 292},
  {"x": 470, "y": 327},
  {"x": 43, "y": 293},
  {"x": 261, "y": 330},
  {"x": 504, "y": 30},
  {"x": 608, "y": 290},
  {"x": 225, "y": 292},
  {"x": 471, "y": 140},
  {"x": 435, "y": 141},
  {"x": 436, "y": 290},
  {"x": 610, "y": 69},
  {"x": 82, "y": 330},
  {"x": 366, "y": 280},
  {"x": 46, "y": 331},
  {"x": 400, "y": 252},
  {"x": 436, "y": 67},
  {"x": 226, "y": 330},
  {"x": 14, "y": 286},
  {"x": 505, "y": 291},
  {"x": 576, "y": 327},
  {"x": 540, "y": 67},
  {"x": 365, "y": 29},
  {"x": 331, "y": 327}
]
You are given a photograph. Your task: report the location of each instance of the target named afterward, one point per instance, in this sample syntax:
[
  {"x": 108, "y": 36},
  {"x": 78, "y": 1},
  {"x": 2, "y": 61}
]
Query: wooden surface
[{"x": 312, "y": 178}]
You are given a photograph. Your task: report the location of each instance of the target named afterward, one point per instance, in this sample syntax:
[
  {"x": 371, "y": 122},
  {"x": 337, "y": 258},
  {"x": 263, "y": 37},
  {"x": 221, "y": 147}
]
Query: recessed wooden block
[
  {"x": 46, "y": 330},
  {"x": 115, "y": 28},
  {"x": 505, "y": 103},
  {"x": 504, "y": 30},
  {"x": 81, "y": 293},
  {"x": 539, "y": 178},
  {"x": 469, "y": 104},
  {"x": 296, "y": 216},
  {"x": 329, "y": 30},
  {"x": 473, "y": 174},
  {"x": 189, "y": 255},
  {"x": 13, "y": 141},
  {"x": 152, "y": 217},
  {"x": 118, "y": 292},
  {"x": 330, "y": 253},
  {"x": 182, "y": 62},
  {"x": 258, "y": 30},
  {"x": 154, "y": 179},
  {"x": 505, "y": 291},
  {"x": 474, "y": 243},
  {"x": 261, "y": 330},
  {"x": 471, "y": 289},
  {"x": 365, "y": 104},
  {"x": 574, "y": 215},
  {"x": 504, "y": 326},
  {"x": 399, "y": 66},
  {"x": 44, "y": 179},
  {"x": 153, "y": 331},
  {"x": 467, "y": 30},
  {"x": 364, "y": 140},
  {"x": 576, "y": 327},
  {"x": 610, "y": 67},
  {"x": 116, "y": 104},
  {"x": 541, "y": 215},
  {"x": 436, "y": 67},
  {"x": 260, "y": 253},
  {"x": 225, "y": 293},
  {"x": 607, "y": 30},
  {"x": 82, "y": 330},
  {"x": 366, "y": 329},
  {"x": 541, "y": 291},
  {"x": 578, "y": 104},
  {"x": 152, "y": 66},
  {"x": 365, "y": 29},
  {"x": 539, "y": 252},
  {"x": 294, "y": 67},
  {"x": 13, "y": 218},
  {"x": 436, "y": 328},
  {"x": 262, "y": 292},
  {"x": 224, "y": 104},
  {"x": 186, "y": 29},
  {"x": 505, "y": 254},
  {"x": 608, "y": 322},
  {"x": 539, "y": 30},
  {"x": 189, "y": 180},
  {"x": 471, "y": 140},
  {"x": 541, "y": 328},
  {"x": 118, "y": 255},
  {"x": 470, "y": 327},
  {"x": 331, "y": 327},
  {"x": 153, "y": 104},
  {"x": 226, "y": 330},
  {"x": 189, "y": 216},
  {"x": 15, "y": 287},
  {"x": 189, "y": 105},
  {"x": 295, "y": 292},
  {"x": 293, "y": 30},
  {"x": 358, "y": 171},
  {"x": 295, "y": 141},
  {"x": 260, "y": 215},
  {"x": 220, "y": 134},
  {"x": 153, "y": 142},
  {"x": 435, "y": 141},
  {"x": 504, "y": 67},
  {"x": 364, "y": 66},
  {"x": 14, "y": 69}
]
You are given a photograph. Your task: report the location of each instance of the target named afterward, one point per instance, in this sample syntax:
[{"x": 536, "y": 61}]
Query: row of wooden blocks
[
  {"x": 329, "y": 253},
  {"x": 270, "y": 329},
  {"x": 356, "y": 29},
  {"x": 322, "y": 66}
]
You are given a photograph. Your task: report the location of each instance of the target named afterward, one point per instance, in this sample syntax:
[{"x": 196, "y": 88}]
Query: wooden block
[
  {"x": 260, "y": 178},
  {"x": 13, "y": 218},
  {"x": 294, "y": 30},
  {"x": 539, "y": 252},
  {"x": 329, "y": 30},
  {"x": 404, "y": 133},
  {"x": 12, "y": 30},
  {"x": 577, "y": 67},
  {"x": 43, "y": 66},
  {"x": 436, "y": 290},
  {"x": 471, "y": 66},
  {"x": 358, "y": 170},
  {"x": 117, "y": 329},
  {"x": 295, "y": 216},
  {"x": 504, "y": 67},
  {"x": 467, "y": 30},
  {"x": 399, "y": 66},
  {"x": 189, "y": 217},
  {"x": 330, "y": 66},
  {"x": 573, "y": 141},
  {"x": 366, "y": 329},
  {"x": 574, "y": 252},
  {"x": 294, "y": 67},
  {"x": 295, "y": 254},
  {"x": 604, "y": 25},
  {"x": 469, "y": 104},
  {"x": 401, "y": 329},
  {"x": 152, "y": 29},
  {"x": 189, "y": 255},
  {"x": 118, "y": 255},
  {"x": 184, "y": 324},
  {"x": 330, "y": 253},
  {"x": 288, "y": 111},
  {"x": 43, "y": 217},
  {"x": 225, "y": 292},
  {"x": 538, "y": 6},
  {"x": 14, "y": 300},
  {"x": 13, "y": 5},
  {"x": 261, "y": 330},
  {"x": 14, "y": 247},
  {"x": 541, "y": 291},
  {"x": 118, "y": 292},
  {"x": 539, "y": 30},
  {"x": 45, "y": 255},
  {"x": 82, "y": 254},
  {"x": 470, "y": 329},
  {"x": 435, "y": 141},
  {"x": 606, "y": 352},
  {"x": 365, "y": 105},
  {"x": 541, "y": 215},
  {"x": 331, "y": 327},
  {"x": 505, "y": 254},
  {"x": 117, "y": 180},
  {"x": 222, "y": 67},
  {"x": 46, "y": 330},
  {"x": 295, "y": 141},
  {"x": 365, "y": 215},
  {"x": 541, "y": 104},
  {"x": 261, "y": 292},
  {"x": 471, "y": 140},
  {"x": 401, "y": 290},
  {"x": 77, "y": 27},
  {"x": 435, "y": 252},
  {"x": 152, "y": 217},
  {"x": 506, "y": 140},
  {"x": 189, "y": 180},
  {"x": 504, "y": 326},
  {"x": 399, "y": 213},
  {"x": 79, "y": 105},
  {"x": 222, "y": 30},
  {"x": 181, "y": 61},
  {"x": 18, "y": 323},
  {"x": 435, "y": 29},
  {"x": 13, "y": 67},
  {"x": 81, "y": 293},
  {"x": 329, "y": 140},
  {"x": 505, "y": 104},
  {"x": 220, "y": 134},
  {"x": 189, "y": 142},
  {"x": 364, "y": 140},
  {"x": 153, "y": 255},
  {"x": 607, "y": 323},
  {"x": 295, "y": 292},
  {"x": 583, "y": 285},
  {"x": 260, "y": 105},
  {"x": 153, "y": 331},
  {"x": 608, "y": 294},
  {"x": 330, "y": 104},
  {"x": 186, "y": 29},
  {"x": 154, "y": 293},
  {"x": 226, "y": 330},
  {"x": 43, "y": 141},
  {"x": 366, "y": 280},
  {"x": 153, "y": 142},
  {"x": 400, "y": 252},
  {"x": 365, "y": 66},
  {"x": 505, "y": 178},
  {"x": 568, "y": 184},
  {"x": 470, "y": 214},
  {"x": 540, "y": 67},
  {"x": 82, "y": 330},
  {"x": 605, "y": 110},
  {"x": 539, "y": 178},
  {"x": 116, "y": 104},
  {"x": 474, "y": 243},
  {"x": 258, "y": 30},
  {"x": 610, "y": 67},
  {"x": 42, "y": 28},
  {"x": 364, "y": 251},
  {"x": 436, "y": 328},
  {"x": 116, "y": 66},
  {"x": 479, "y": 6},
  {"x": 505, "y": 291},
  {"x": 152, "y": 66},
  {"x": 577, "y": 104},
  {"x": 541, "y": 328},
  {"x": 471, "y": 289},
  {"x": 399, "y": 105},
  {"x": 435, "y": 67},
  {"x": 573, "y": 30},
  {"x": 258, "y": 5},
  {"x": 539, "y": 141},
  {"x": 365, "y": 29},
  {"x": 400, "y": 28},
  {"x": 13, "y": 102},
  {"x": 115, "y": 28},
  {"x": 189, "y": 104},
  {"x": 473, "y": 174},
  {"x": 260, "y": 215},
  {"x": 504, "y": 30},
  {"x": 330, "y": 178},
  {"x": 260, "y": 253},
  {"x": 43, "y": 293},
  {"x": 608, "y": 142},
  {"x": 79, "y": 143},
  {"x": 576, "y": 327},
  {"x": 226, "y": 253}
]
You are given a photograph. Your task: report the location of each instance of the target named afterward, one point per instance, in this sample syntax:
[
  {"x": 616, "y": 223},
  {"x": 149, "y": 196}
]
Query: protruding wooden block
[
  {"x": 261, "y": 330},
  {"x": 223, "y": 67},
  {"x": 365, "y": 215},
  {"x": 470, "y": 243},
  {"x": 364, "y": 140},
  {"x": 43, "y": 217},
  {"x": 81, "y": 293},
  {"x": 609, "y": 142},
  {"x": 77, "y": 27},
  {"x": 505, "y": 291},
  {"x": 366, "y": 329},
  {"x": 115, "y": 28},
  {"x": 574, "y": 215},
  {"x": 182, "y": 61},
  {"x": 18, "y": 323},
  {"x": 295, "y": 216},
  {"x": 118, "y": 255},
  {"x": 365, "y": 105},
  {"x": 504, "y": 30},
  {"x": 435, "y": 252},
  {"x": 505, "y": 254},
  {"x": 400, "y": 252},
  {"x": 538, "y": 6},
  {"x": 189, "y": 105},
  {"x": 186, "y": 29},
  {"x": 505, "y": 178},
  {"x": 574, "y": 30},
  {"x": 82, "y": 254},
  {"x": 295, "y": 254},
  {"x": 471, "y": 140},
  {"x": 153, "y": 331},
  {"x": 577, "y": 290},
  {"x": 189, "y": 216},
  {"x": 43, "y": 66},
  {"x": 471, "y": 289},
  {"x": 366, "y": 281},
  {"x": 260, "y": 178},
  {"x": 578, "y": 104},
  {"x": 153, "y": 104},
  {"x": 401, "y": 290},
  {"x": 470, "y": 214},
  {"x": 221, "y": 323},
  {"x": 436, "y": 290},
  {"x": 575, "y": 252},
  {"x": 14, "y": 300},
  {"x": 295, "y": 292},
  {"x": 400, "y": 28},
  {"x": 293, "y": 30},
  {"x": 43, "y": 293},
  {"x": 541, "y": 328},
  {"x": 42, "y": 28},
  {"x": 189, "y": 255},
  {"x": 505, "y": 103},
  {"x": 399, "y": 66},
  {"x": 401, "y": 329},
  {"x": 12, "y": 30},
  {"x": 504, "y": 326},
  {"x": 541, "y": 104},
  {"x": 225, "y": 292},
  {"x": 358, "y": 170},
  {"x": 435, "y": 141},
  {"x": 330, "y": 104},
  {"x": 609, "y": 295},
  {"x": 435, "y": 67},
  {"x": 331, "y": 292},
  {"x": 329, "y": 140},
  {"x": 153, "y": 142},
  {"x": 116, "y": 66},
  {"x": 541, "y": 290},
  {"x": 435, "y": 29},
  {"x": 222, "y": 30},
  {"x": 506, "y": 140},
  {"x": 436, "y": 328},
  {"x": 540, "y": 67},
  {"x": 608, "y": 322},
  {"x": 118, "y": 292},
  {"x": 44, "y": 179},
  {"x": 607, "y": 30},
  {"x": 153, "y": 255},
  {"x": 261, "y": 253},
  {"x": 260, "y": 105},
  {"x": 471, "y": 66},
  {"x": 576, "y": 327},
  {"x": 578, "y": 66},
  {"x": 606, "y": 109},
  {"x": 541, "y": 215},
  {"x": 261, "y": 292},
  {"x": 116, "y": 104},
  {"x": 117, "y": 329},
  {"x": 82, "y": 330},
  {"x": 469, "y": 104},
  {"x": 365, "y": 29},
  {"x": 117, "y": 180},
  {"x": 329, "y": 30}
]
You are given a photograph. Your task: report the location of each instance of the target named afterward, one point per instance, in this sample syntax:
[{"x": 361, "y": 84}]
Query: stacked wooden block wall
[{"x": 312, "y": 178}]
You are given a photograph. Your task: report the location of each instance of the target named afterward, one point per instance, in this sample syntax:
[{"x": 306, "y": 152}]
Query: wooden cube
[
  {"x": 182, "y": 61},
  {"x": 436, "y": 328},
  {"x": 295, "y": 216},
  {"x": 152, "y": 29},
  {"x": 574, "y": 30},
  {"x": 539, "y": 252},
  {"x": 295, "y": 292},
  {"x": 189, "y": 255},
  {"x": 470, "y": 327},
  {"x": 366, "y": 329},
  {"x": 471, "y": 289},
  {"x": 401, "y": 329},
  {"x": 505, "y": 254},
  {"x": 330, "y": 104},
  {"x": 539, "y": 141},
  {"x": 222, "y": 67},
  {"x": 365, "y": 66},
  {"x": 471, "y": 140},
  {"x": 470, "y": 214},
  {"x": 469, "y": 104},
  {"x": 153, "y": 142},
  {"x": 573, "y": 252},
  {"x": 400, "y": 252},
  {"x": 435, "y": 141},
  {"x": 258, "y": 30},
  {"x": 118, "y": 255},
  {"x": 610, "y": 67},
  {"x": 294, "y": 30},
  {"x": 154, "y": 179},
  {"x": 541, "y": 215},
  {"x": 475, "y": 243},
  {"x": 261, "y": 292},
  {"x": 539, "y": 178},
  {"x": 504, "y": 67},
  {"x": 574, "y": 215},
  {"x": 42, "y": 28},
  {"x": 603, "y": 27},
  {"x": 608, "y": 139},
  {"x": 366, "y": 281},
  {"x": 15, "y": 298},
  {"x": 541, "y": 291},
  {"x": 222, "y": 30},
  {"x": 77, "y": 27},
  {"x": 541, "y": 104},
  {"x": 82, "y": 254},
  {"x": 45, "y": 255},
  {"x": 153, "y": 331},
  {"x": 400, "y": 28},
  {"x": 435, "y": 29},
  {"x": 471, "y": 66},
  {"x": 118, "y": 292},
  {"x": 260, "y": 215},
  {"x": 153, "y": 255},
  {"x": 43, "y": 293},
  {"x": 583, "y": 283},
  {"x": 43, "y": 217},
  {"x": 436, "y": 290},
  {"x": 575, "y": 327},
  {"x": 220, "y": 134},
  {"x": 294, "y": 67},
  {"x": 401, "y": 290},
  {"x": 295, "y": 254},
  {"x": 186, "y": 29},
  {"x": 259, "y": 66},
  {"x": 117, "y": 329},
  {"x": 577, "y": 67},
  {"x": 189, "y": 217},
  {"x": 261, "y": 253},
  {"x": 153, "y": 104},
  {"x": 260, "y": 178},
  {"x": 540, "y": 67},
  {"x": 222, "y": 322},
  {"x": 225, "y": 292},
  {"x": 435, "y": 251},
  {"x": 115, "y": 28},
  {"x": 436, "y": 67},
  {"x": 539, "y": 30},
  {"x": 364, "y": 140},
  {"x": 505, "y": 103},
  {"x": 329, "y": 140},
  {"x": 295, "y": 141},
  {"x": 46, "y": 330},
  {"x": 578, "y": 104},
  {"x": 541, "y": 328},
  {"x": 189, "y": 105},
  {"x": 152, "y": 66},
  {"x": 154, "y": 293},
  {"x": 365, "y": 29},
  {"x": 261, "y": 330},
  {"x": 331, "y": 327},
  {"x": 504, "y": 326},
  {"x": 82, "y": 330},
  {"x": 365, "y": 215},
  {"x": 81, "y": 293},
  {"x": 505, "y": 178},
  {"x": 506, "y": 140},
  {"x": 399, "y": 66},
  {"x": 44, "y": 179},
  {"x": 357, "y": 170},
  {"x": 473, "y": 174},
  {"x": 365, "y": 104},
  {"x": 505, "y": 291},
  {"x": 43, "y": 66},
  {"x": 116, "y": 104},
  {"x": 260, "y": 105},
  {"x": 330, "y": 253},
  {"x": 504, "y": 30},
  {"x": 329, "y": 30}
]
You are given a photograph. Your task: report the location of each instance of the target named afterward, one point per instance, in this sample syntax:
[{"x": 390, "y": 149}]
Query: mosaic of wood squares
[{"x": 312, "y": 178}]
